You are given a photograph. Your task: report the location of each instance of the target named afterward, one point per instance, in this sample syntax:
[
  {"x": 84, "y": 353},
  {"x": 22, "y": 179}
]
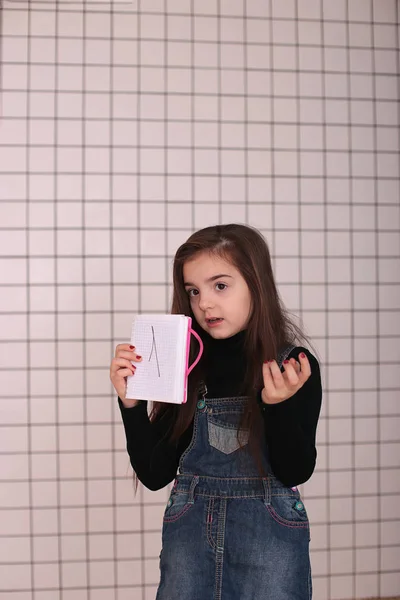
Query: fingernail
[
  {"x": 302, "y": 355},
  {"x": 271, "y": 361},
  {"x": 138, "y": 357},
  {"x": 132, "y": 347},
  {"x": 285, "y": 362}
]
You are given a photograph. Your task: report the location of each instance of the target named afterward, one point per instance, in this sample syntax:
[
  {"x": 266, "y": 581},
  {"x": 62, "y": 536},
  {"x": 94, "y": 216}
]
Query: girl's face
[{"x": 217, "y": 290}]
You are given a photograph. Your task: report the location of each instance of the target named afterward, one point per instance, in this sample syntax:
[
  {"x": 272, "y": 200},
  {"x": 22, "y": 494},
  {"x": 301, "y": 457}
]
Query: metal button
[
  {"x": 201, "y": 404},
  {"x": 299, "y": 505},
  {"x": 170, "y": 502}
]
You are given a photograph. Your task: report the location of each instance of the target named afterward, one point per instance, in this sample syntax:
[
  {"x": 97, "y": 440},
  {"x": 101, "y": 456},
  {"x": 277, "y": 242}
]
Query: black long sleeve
[
  {"x": 154, "y": 459},
  {"x": 290, "y": 428}
]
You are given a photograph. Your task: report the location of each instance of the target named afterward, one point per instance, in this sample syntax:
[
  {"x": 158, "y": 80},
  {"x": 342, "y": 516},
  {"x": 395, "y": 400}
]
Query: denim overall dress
[{"x": 229, "y": 534}]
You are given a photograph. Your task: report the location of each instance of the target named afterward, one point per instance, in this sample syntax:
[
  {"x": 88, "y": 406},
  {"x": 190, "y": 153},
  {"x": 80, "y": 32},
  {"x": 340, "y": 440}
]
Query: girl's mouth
[{"x": 213, "y": 322}]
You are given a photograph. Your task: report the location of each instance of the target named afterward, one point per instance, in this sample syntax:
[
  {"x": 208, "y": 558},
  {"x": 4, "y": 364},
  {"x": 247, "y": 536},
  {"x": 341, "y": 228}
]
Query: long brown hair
[{"x": 269, "y": 330}]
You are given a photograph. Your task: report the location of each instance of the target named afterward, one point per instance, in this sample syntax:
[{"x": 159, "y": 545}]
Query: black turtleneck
[{"x": 290, "y": 426}]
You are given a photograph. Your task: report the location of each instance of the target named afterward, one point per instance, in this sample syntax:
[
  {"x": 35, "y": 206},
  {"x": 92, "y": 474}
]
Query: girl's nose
[{"x": 205, "y": 303}]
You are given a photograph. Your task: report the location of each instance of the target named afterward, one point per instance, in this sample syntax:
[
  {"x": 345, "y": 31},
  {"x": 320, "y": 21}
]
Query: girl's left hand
[{"x": 281, "y": 386}]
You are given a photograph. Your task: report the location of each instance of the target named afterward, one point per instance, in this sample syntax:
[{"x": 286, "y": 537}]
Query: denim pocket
[
  {"x": 177, "y": 506},
  {"x": 224, "y": 436},
  {"x": 289, "y": 511}
]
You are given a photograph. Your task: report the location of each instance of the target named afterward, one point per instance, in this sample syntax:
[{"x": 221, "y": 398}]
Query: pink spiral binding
[{"x": 198, "y": 338}]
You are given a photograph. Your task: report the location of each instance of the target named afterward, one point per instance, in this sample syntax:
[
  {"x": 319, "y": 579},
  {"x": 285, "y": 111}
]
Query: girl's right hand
[{"x": 121, "y": 367}]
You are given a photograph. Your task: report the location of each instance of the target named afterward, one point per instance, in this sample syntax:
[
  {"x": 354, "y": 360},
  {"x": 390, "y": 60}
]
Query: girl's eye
[{"x": 191, "y": 293}]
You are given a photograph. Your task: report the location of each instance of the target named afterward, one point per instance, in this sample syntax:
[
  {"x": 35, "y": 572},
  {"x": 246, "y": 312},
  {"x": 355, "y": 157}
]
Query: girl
[{"x": 235, "y": 527}]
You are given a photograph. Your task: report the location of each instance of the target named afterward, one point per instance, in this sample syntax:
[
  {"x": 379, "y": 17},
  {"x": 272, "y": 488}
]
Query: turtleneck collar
[{"x": 225, "y": 365}]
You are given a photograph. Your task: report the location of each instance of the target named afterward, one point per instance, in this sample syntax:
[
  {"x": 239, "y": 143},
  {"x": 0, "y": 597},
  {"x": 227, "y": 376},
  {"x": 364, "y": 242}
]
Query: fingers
[
  {"x": 293, "y": 374},
  {"x": 280, "y": 385},
  {"x": 276, "y": 374},
  {"x": 269, "y": 384},
  {"x": 305, "y": 366},
  {"x": 125, "y": 373},
  {"x": 123, "y": 348},
  {"x": 127, "y": 351},
  {"x": 297, "y": 372},
  {"x": 120, "y": 363},
  {"x": 121, "y": 368}
]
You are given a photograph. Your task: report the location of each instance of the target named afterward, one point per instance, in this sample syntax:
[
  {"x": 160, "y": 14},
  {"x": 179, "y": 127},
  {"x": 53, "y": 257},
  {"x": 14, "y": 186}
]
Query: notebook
[{"x": 163, "y": 342}]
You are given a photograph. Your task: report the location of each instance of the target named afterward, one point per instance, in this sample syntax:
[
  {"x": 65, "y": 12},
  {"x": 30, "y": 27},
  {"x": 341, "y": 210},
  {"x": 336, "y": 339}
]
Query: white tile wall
[{"x": 124, "y": 127}]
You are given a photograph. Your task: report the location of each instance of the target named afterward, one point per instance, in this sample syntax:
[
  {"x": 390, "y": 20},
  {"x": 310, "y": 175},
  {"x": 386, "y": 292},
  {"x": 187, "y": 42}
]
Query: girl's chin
[
  {"x": 216, "y": 331},
  {"x": 220, "y": 333}
]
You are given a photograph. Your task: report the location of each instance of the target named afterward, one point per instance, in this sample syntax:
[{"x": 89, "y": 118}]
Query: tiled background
[{"x": 124, "y": 127}]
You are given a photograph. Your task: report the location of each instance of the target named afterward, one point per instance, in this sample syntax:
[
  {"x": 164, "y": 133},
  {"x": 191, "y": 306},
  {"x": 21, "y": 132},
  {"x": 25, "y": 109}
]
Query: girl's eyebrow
[{"x": 213, "y": 278}]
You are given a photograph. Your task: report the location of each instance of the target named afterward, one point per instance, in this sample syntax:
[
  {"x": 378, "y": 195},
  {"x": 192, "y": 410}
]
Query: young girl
[{"x": 235, "y": 527}]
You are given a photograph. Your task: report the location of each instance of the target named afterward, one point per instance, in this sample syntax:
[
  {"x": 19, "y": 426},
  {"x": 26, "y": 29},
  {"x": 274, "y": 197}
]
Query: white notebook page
[{"x": 159, "y": 339}]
